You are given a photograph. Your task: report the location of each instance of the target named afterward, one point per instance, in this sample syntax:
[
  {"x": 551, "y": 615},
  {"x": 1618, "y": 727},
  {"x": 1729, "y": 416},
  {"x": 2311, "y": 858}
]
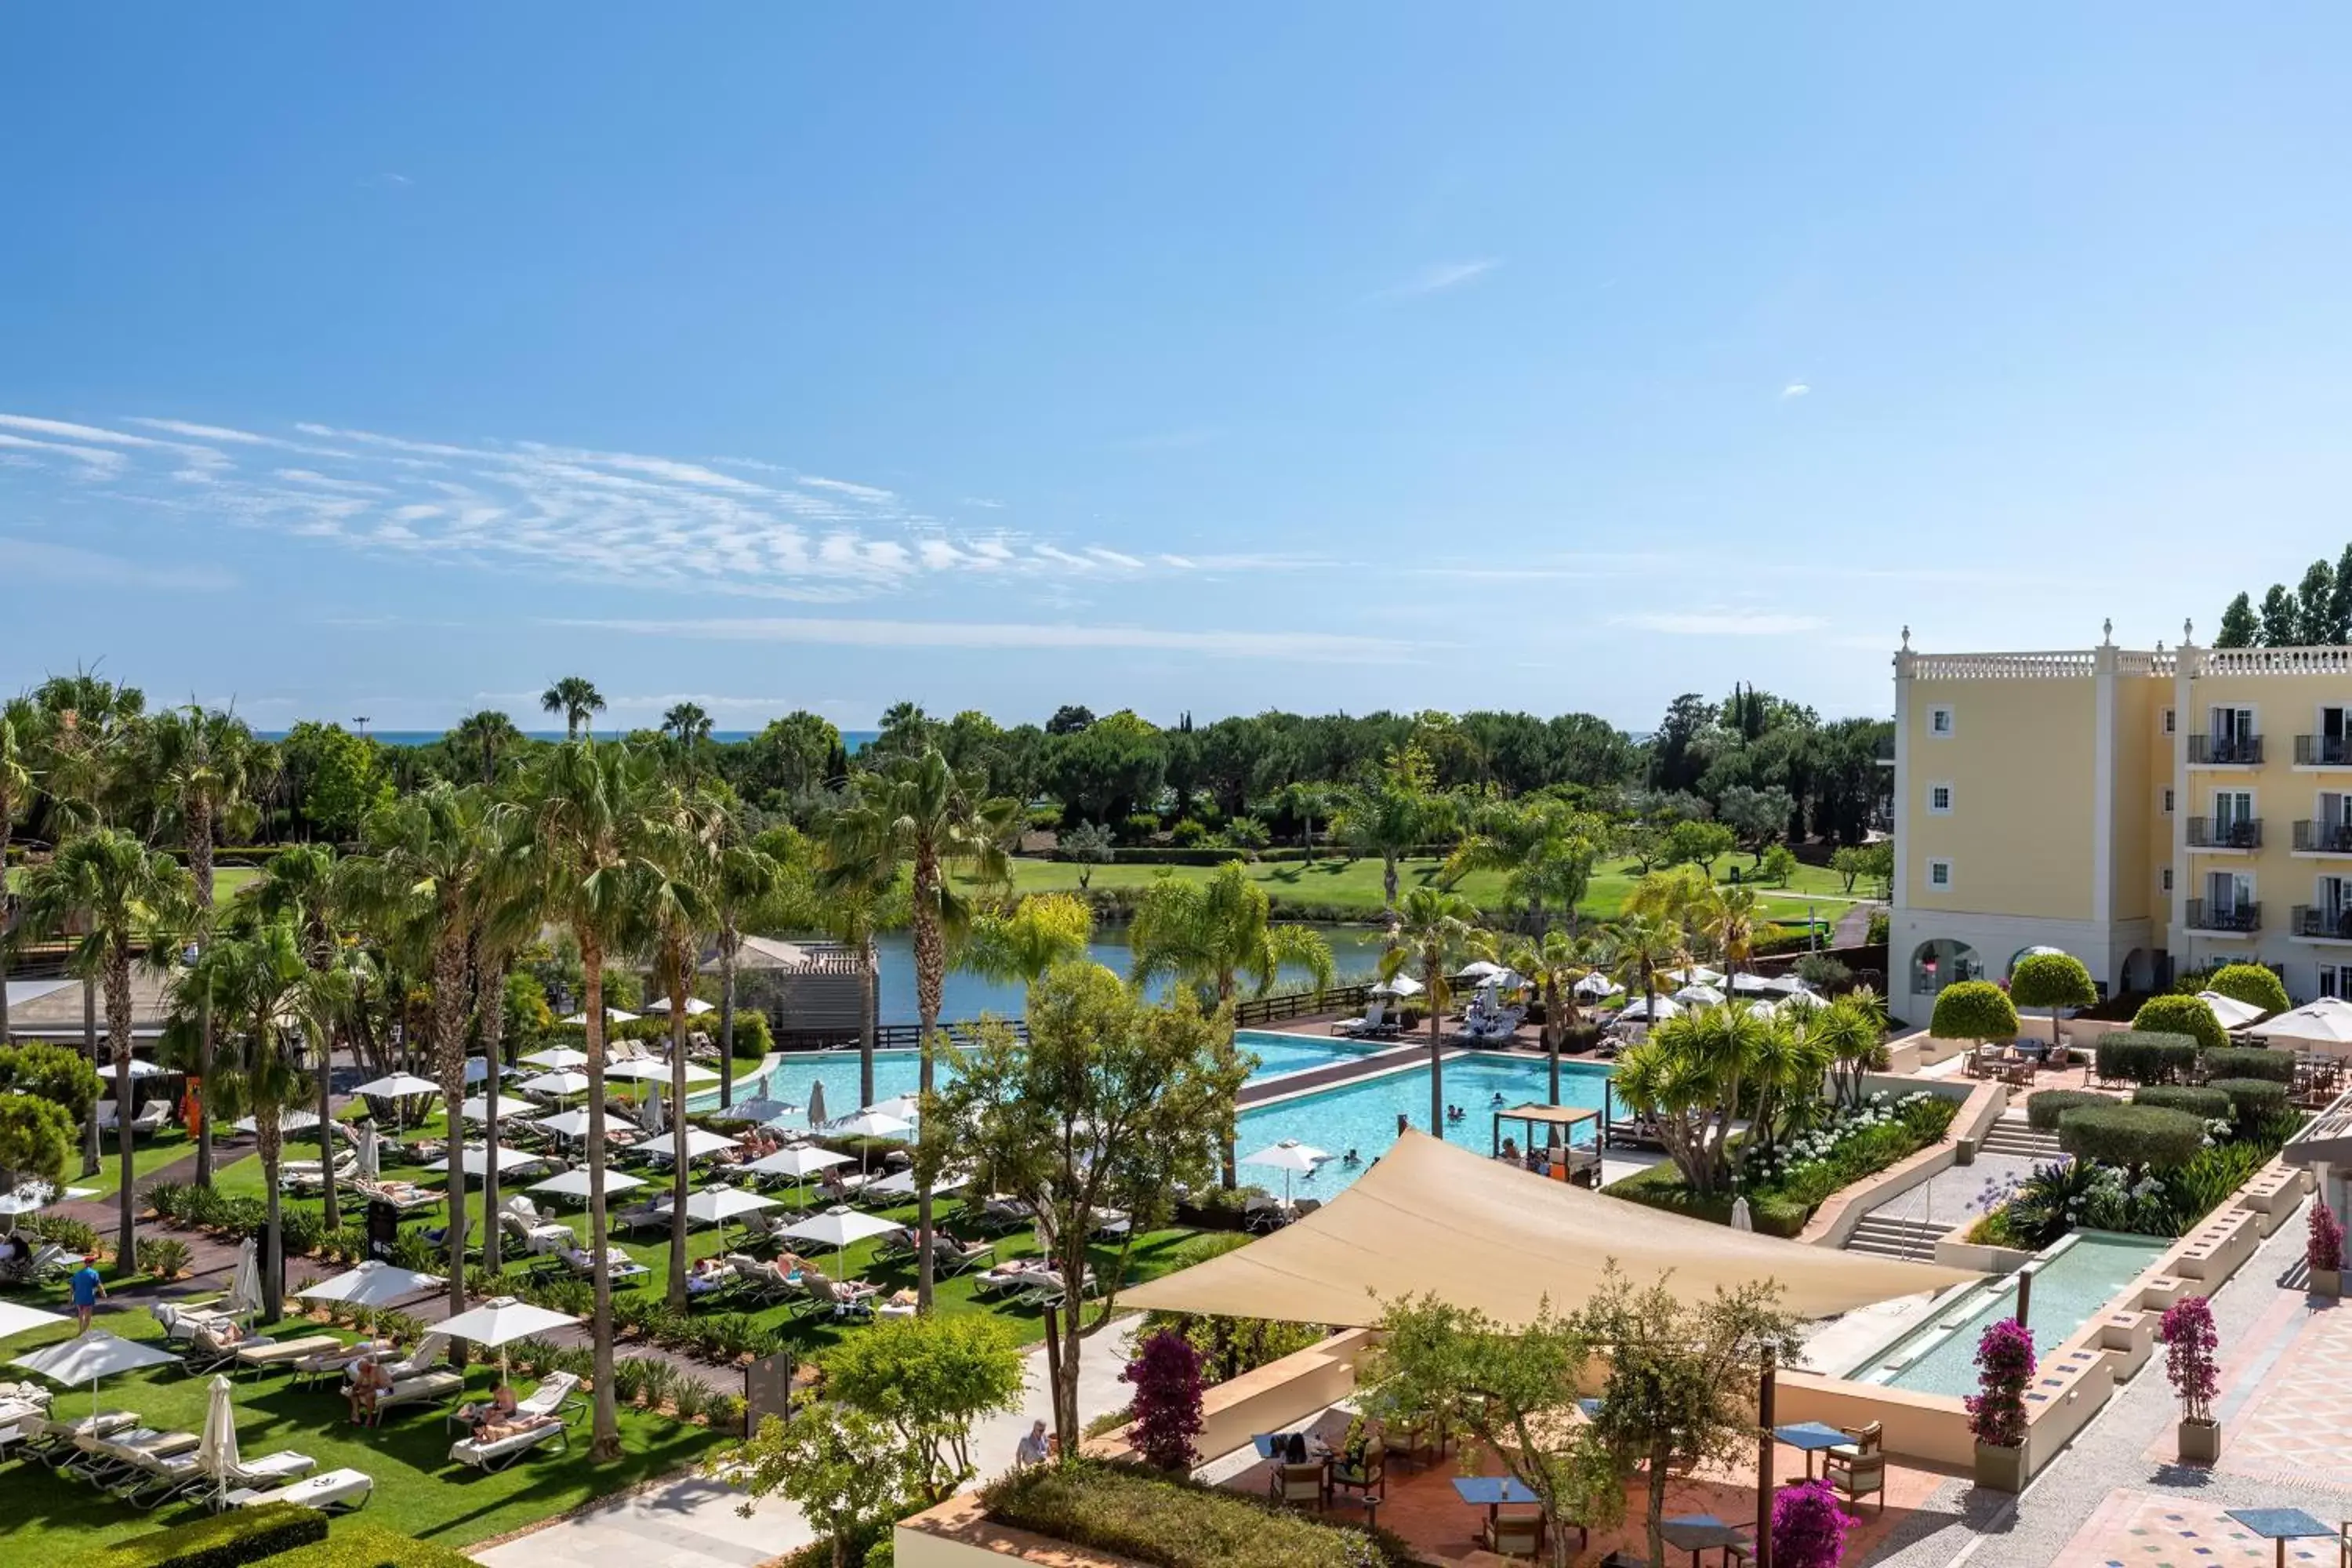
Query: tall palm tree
[
  {"x": 200, "y": 765},
  {"x": 486, "y": 737},
  {"x": 747, "y": 878},
  {"x": 1019, "y": 944},
  {"x": 1728, "y": 919},
  {"x": 687, "y": 723},
  {"x": 91, "y": 727},
  {"x": 919, "y": 813},
  {"x": 430, "y": 857},
  {"x": 1645, "y": 946},
  {"x": 126, "y": 895},
  {"x": 576, "y": 698},
  {"x": 279, "y": 1007},
  {"x": 583, "y": 817},
  {"x": 304, "y": 886},
  {"x": 1390, "y": 812},
  {"x": 508, "y": 920},
  {"x": 1555, "y": 963},
  {"x": 1210, "y": 934},
  {"x": 24, "y": 727},
  {"x": 686, "y": 844},
  {"x": 1430, "y": 931}
]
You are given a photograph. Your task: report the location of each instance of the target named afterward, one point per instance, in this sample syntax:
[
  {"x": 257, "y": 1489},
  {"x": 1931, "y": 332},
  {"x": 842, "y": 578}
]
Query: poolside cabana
[{"x": 1560, "y": 1122}]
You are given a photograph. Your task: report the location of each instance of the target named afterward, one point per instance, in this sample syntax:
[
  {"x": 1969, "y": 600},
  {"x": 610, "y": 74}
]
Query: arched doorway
[
  {"x": 2138, "y": 971},
  {"x": 1942, "y": 961}
]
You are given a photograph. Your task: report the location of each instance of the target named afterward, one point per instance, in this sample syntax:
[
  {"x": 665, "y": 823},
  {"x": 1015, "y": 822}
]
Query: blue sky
[{"x": 1319, "y": 356}]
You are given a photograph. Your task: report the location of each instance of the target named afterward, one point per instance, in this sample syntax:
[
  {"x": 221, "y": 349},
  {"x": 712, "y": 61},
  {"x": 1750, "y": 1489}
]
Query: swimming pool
[
  {"x": 901, "y": 1072},
  {"x": 1362, "y": 1115},
  {"x": 2077, "y": 1276}
]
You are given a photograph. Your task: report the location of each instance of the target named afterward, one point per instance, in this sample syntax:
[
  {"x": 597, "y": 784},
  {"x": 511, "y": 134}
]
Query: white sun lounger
[
  {"x": 491, "y": 1457},
  {"x": 334, "y": 1490}
]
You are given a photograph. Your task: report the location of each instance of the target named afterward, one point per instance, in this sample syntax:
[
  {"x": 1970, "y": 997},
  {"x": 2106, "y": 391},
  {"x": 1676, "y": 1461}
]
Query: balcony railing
[
  {"x": 2318, "y": 921},
  {"x": 2225, "y": 751},
  {"x": 2233, "y": 833},
  {"x": 2206, "y": 915},
  {"x": 2323, "y": 837},
  {"x": 2323, "y": 751}
]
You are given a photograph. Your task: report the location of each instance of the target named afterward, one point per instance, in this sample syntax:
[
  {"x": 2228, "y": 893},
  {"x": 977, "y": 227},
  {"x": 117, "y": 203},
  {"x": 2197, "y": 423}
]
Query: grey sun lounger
[{"x": 334, "y": 1490}]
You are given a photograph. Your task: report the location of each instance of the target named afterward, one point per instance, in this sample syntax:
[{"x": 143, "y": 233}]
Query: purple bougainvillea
[
  {"x": 2324, "y": 1248},
  {"x": 2004, "y": 1371},
  {"x": 1166, "y": 1377},
  {"x": 2189, "y": 1345},
  {"x": 1808, "y": 1527}
]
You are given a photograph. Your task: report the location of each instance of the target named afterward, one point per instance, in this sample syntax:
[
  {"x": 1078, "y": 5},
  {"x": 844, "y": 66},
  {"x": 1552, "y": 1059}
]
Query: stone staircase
[
  {"x": 1884, "y": 1235},
  {"x": 2012, "y": 1134}
]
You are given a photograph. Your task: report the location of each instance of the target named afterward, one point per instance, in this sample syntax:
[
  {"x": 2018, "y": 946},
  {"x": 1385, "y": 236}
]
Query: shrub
[
  {"x": 2323, "y": 1247},
  {"x": 1881, "y": 927},
  {"x": 164, "y": 1257},
  {"x": 2004, "y": 1369},
  {"x": 1231, "y": 1346},
  {"x": 753, "y": 1037},
  {"x": 1166, "y": 1377},
  {"x": 2251, "y": 1061},
  {"x": 1170, "y": 1522},
  {"x": 73, "y": 1235},
  {"x": 2047, "y": 1204},
  {"x": 2044, "y": 1109},
  {"x": 1822, "y": 972},
  {"x": 246, "y": 1535},
  {"x": 2209, "y": 1104},
  {"x": 2181, "y": 1015},
  {"x": 356, "y": 1545},
  {"x": 2135, "y": 1136},
  {"x": 2188, "y": 1344},
  {"x": 2138, "y": 1055},
  {"x": 2251, "y": 1099},
  {"x": 2052, "y": 980},
  {"x": 1809, "y": 1528},
  {"x": 1974, "y": 1010},
  {"x": 1779, "y": 865},
  {"x": 2252, "y": 984}
]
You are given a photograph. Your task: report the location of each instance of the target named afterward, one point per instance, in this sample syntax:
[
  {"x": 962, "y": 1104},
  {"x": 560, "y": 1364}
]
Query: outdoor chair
[
  {"x": 1513, "y": 1535},
  {"x": 1298, "y": 1483},
  {"x": 154, "y": 1117},
  {"x": 1858, "y": 1468},
  {"x": 335, "y": 1491},
  {"x": 535, "y": 1238},
  {"x": 761, "y": 1228},
  {"x": 490, "y": 1454},
  {"x": 335, "y": 1363},
  {"x": 1357, "y": 1028},
  {"x": 430, "y": 1351},
  {"x": 759, "y": 1282},
  {"x": 104, "y": 1458},
  {"x": 1370, "y": 1478},
  {"x": 950, "y": 1257},
  {"x": 848, "y": 1297}
]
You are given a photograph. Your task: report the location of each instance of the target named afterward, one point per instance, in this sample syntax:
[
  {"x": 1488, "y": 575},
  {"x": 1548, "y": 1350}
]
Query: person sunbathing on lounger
[
  {"x": 499, "y": 1409},
  {"x": 708, "y": 1275}
]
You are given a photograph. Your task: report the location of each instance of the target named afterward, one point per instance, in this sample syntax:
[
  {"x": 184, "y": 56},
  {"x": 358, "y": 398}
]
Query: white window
[
  {"x": 1939, "y": 874},
  {"x": 2332, "y": 979},
  {"x": 2168, "y": 800},
  {"x": 2166, "y": 875},
  {"x": 2168, "y": 722},
  {"x": 1939, "y": 800},
  {"x": 1939, "y": 721}
]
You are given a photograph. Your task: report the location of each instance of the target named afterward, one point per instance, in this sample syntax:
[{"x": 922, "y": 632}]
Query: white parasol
[
  {"x": 94, "y": 1355},
  {"x": 555, "y": 1058},
  {"x": 1292, "y": 1158},
  {"x": 558, "y": 1085},
  {"x": 372, "y": 1284},
  {"x": 837, "y": 1228},
  {"x": 17, "y": 1319},
  {"x": 500, "y": 1321},
  {"x": 574, "y": 1184},
  {"x": 245, "y": 1282}
]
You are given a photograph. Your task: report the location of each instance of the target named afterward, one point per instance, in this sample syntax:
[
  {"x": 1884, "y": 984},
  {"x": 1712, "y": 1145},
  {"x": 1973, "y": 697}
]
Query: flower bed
[
  {"x": 1783, "y": 1186},
  {"x": 1174, "y": 1523}
]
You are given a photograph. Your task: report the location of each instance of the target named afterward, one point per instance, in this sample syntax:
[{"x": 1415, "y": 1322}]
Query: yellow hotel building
[{"x": 2147, "y": 812}]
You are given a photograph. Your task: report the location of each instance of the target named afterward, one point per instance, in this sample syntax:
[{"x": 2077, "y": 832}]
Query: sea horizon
[{"x": 853, "y": 741}]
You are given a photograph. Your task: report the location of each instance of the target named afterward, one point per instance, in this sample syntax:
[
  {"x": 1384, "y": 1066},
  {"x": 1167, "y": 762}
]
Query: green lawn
[
  {"x": 151, "y": 1153},
  {"x": 1352, "y": 888},
  {"x": 418, "y": 1491}
]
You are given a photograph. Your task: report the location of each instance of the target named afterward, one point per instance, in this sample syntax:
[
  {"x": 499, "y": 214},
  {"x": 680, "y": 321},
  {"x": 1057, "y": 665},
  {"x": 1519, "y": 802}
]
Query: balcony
[
  {"x": 2226, "y": 920},
  {"x": 2323, "y": 837},
  {"x": 2229, "y": 833},
  {"x": 2323, "y": 751},
  {"x": 2320, "y": 923},
  {"x": 2225, "y": 751}
]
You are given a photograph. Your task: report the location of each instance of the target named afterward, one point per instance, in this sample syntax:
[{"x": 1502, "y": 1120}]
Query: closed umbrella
[
  {"x": 816, "y": 1103},
  {"x": 369, "y": 1167},
  {"x": 1290, "y": 1157},
  {"x": 1740, "y": 1218},
  {"x": 216, "y": 1455},
  {"x": 94, "y": 1355},
  {"x": 245, "y": 1283},
  {"x": 654, "y": 1123},
  {"x": 837, "y": 1228},
  {"x": 372, "y": 1284}
]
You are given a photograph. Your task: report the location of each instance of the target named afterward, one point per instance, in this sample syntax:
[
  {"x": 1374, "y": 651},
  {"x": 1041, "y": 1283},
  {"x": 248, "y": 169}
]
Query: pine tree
[
  {"x": 2318, "y": 597},
  {"x": 2282, "y": 620},
  {"x": 2239, "y": 626},
  {"x": 2339, "y": 603}
]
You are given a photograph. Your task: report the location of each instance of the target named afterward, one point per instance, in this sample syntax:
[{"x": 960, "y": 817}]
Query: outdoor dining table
[
  {"x": 1491, "y": 1492},
  {"x": 1266, "y": 1440},
  {"x": 2281, "y": 1525},
  {"x": 1812, "y": 1438},
  {"x": 1697, "y": 1532}
]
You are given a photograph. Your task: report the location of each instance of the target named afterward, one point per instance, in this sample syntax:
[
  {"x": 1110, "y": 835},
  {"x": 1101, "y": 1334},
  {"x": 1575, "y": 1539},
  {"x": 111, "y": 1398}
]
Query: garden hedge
[
  {"x": 2181, "y": 1015},
  {"x": 1974, "y": 1010},
  {"x": 2251, "y": 1061},
  {"x": 1175, "y": 1523},
  {"x": 2249, "y": 1098},
  {"x": 359, "y": 1546},
  {"x": 2132, "y": 1135},
  {"x": 224, "y": 1541},
  {"x": 2252, "y": 984},
  {"x": 2210, "y": 1103},
  {"x": 2044, "y": 1109},
  {"x": 2142, "y": 1055}
]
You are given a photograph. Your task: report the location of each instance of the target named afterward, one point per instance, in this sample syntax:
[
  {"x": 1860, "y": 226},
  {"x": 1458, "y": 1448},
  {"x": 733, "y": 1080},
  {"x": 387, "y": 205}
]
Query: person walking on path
[{"x": 86, "y": 1289}]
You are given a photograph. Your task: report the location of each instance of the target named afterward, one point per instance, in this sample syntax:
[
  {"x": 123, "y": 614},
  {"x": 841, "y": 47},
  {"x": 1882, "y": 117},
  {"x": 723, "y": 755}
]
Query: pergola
[{"x": 1560, "y": 1119}]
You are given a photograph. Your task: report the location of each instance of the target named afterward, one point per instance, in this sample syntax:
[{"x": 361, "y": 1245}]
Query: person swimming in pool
[{"x": 1350, "y": 1160}]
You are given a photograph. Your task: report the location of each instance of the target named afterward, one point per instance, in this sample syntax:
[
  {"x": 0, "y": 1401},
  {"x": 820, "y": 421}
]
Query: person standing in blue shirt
[{"x": 87, "y": 1290}]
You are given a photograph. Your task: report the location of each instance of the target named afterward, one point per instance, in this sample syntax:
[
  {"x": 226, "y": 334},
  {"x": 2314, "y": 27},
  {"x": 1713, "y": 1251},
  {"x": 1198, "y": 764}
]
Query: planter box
[
  {"x": 2200, "y": 1442},
  {"x": 2326, "y": 1282},
  {"x": 2001, "y": 1469}
]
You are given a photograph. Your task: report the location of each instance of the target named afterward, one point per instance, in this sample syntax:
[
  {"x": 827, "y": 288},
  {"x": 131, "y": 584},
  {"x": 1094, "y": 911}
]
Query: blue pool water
[
  {"x": 901, "y": 1072},
  {"x": 1362, "y": 1116},
  {"x": 2077, "y": 1278}
]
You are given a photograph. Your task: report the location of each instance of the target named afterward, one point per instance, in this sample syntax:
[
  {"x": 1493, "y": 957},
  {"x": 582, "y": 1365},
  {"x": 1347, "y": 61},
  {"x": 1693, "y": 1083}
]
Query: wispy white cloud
[
  {"x": 1720, "y": 624},
  {"x": 984, "y": 501},
  {"x": 39, "y": 560},
  {"x": 1794, "y": 389},
  {"x": 95, "y": 460},
  {"x": 1438, "y": 278},
  {"x": 999, "y": 635}
]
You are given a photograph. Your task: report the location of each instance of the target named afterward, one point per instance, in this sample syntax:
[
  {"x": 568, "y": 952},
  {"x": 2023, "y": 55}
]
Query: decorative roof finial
[
  {"x": 1906, "y": 639},
  {"x": 2107, "y": 629},
  {"x": 2188, "y": 631}
]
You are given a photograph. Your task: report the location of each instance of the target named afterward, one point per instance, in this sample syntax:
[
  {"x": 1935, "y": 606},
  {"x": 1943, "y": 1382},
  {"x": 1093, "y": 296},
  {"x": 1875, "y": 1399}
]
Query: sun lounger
[
  {"x": 498, "y": 1453},
  {"x": 423, "y": 1389},
  {"x": 759, "y": 1281},
  {"x": 53, "y": 1443},
  {"x": 104, "y": 1457},
  {"x": 430, "y": 1351},
  {"x": 217, "y": 1343},
  {"x": 1375, "y": 1016},
  {"x": 950, "y": 1257},
  {"x": 335, "y": 1363},
  {"x": 536, "y": 1236},
  {"x": 182, "y": 1324},
  {"x": 154, "y": 1480},
  {"x": 335, "y": 1490},
  {"x": 255, "y": 1356},
  {"x": 618, "y": 1265},
  {"x": 848, "y": 1297}
]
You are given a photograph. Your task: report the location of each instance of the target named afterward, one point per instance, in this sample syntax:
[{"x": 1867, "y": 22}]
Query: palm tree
[
  {"x": 1646, "y": 944},
  {"x": 305, "y": 886},
  {"x": 1544, "y": 849},
  {"x": 576, "y": 698},
  {"x": 508, "y": 919},
  {"x": 686, "y": 842},
  {"x": 90, "y": 726},
  {"x": 430, "y": 854},
  {"x": 687, "y": 723},
  {"x": 1729, "y": 918},
  {"x": 917, "y": 812},
  {"x": 1390, "y": 812},
  {"x": 125, "y": 895},
  {"x": 201, "y": 763},
  {"x": 1430, "y": 930},
  {"x": 747, "y": 878},
  {"x": 1019, "y": 944},
  {"x": 1850, "y": 1029},
  {"x": 579, "y": 832},
  {"x": 24, "y": 727},
  {"x": 487, "y": 736},
  {"x": 281, "y": 1007},
  {"x": 1555, "y": 963}
]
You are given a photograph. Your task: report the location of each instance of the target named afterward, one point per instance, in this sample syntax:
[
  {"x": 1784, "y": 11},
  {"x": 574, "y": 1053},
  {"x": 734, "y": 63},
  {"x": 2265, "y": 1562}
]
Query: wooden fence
[{"x": 1253, "y": 1010}]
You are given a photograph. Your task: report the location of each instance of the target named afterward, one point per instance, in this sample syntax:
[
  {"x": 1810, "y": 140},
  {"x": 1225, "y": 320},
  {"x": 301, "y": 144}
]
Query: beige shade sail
[{"x": 1430, "y": 1218}]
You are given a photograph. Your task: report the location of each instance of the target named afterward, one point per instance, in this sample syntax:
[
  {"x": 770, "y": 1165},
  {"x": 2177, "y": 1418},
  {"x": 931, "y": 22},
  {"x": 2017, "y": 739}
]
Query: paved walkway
[
  {"x": 2277, "y": 1348},
  {"x": 693, "y": 1522}
]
